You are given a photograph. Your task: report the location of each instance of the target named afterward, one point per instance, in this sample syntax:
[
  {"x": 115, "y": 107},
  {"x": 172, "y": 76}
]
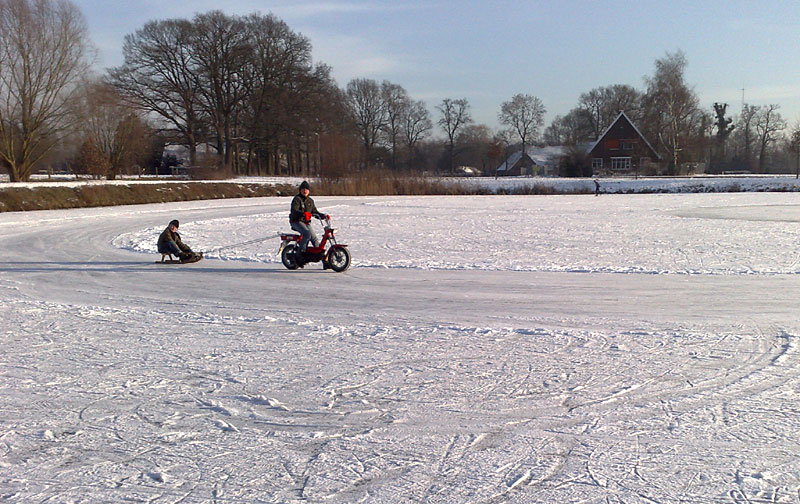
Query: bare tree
[
  {"x": 455, "y": 114},
  {"x": 671, "y": 106},
  {"x": 745, "y": 132},
  {"x": 794, "y": 146},
  {"x": 477, "y": 143},
  {"x": 43, "y": 53},
  {"x": 397, "y": 104},
  {"x": 724, "y": 129},
  {"x": 90, "y": 160},
  {"x": 600, "y": 106},
  {"x": 160, "y": 77},
  {"x": 562, "y": 130},
  {"x": 590, "y": 105},
  {"x": 569, "y": 129},
  {"x": 221, "y": 51},
  {"x": 596, "y": 110},
  {"x": 314, "y": 104},
  {"x": 524, "y": 114},
  {"x": 132, "y": 141},
  {"x": 279, "y": 58},
  {"x": 621, "y": 98},
  {"x": 722, "y": 123},
  {"x": 416, "y": 124},
  {"x": 368, "y": 111},
  {"x": 113, "y": 127},
  {"x": 230, "y": 80},
  {"x": 769, "y": 124}
]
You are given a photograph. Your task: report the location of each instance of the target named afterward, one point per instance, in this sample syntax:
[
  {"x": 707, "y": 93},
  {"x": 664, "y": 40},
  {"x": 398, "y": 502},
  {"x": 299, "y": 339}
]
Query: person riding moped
[{"x": 303, "y": 208}]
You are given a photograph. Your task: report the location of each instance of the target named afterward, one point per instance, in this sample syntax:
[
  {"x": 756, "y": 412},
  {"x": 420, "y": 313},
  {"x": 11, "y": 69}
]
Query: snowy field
[{"x": 613, "y": 349}]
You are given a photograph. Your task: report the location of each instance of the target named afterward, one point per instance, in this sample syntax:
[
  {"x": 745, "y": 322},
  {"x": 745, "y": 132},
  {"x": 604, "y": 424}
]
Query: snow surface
[{"x": 622, "y": 348}]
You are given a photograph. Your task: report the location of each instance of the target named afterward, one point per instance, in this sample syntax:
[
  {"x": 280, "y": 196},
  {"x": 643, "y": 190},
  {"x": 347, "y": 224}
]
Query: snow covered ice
[{"x": 626, "y": 348}]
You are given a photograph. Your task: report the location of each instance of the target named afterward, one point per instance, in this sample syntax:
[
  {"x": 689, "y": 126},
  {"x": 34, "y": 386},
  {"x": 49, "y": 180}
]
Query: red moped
[{"x": 336, "y": 256}]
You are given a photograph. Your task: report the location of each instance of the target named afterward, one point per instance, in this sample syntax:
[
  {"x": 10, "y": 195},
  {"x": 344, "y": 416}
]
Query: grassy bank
[
  {"x": 53, "y": 197},
  {"x": 13, "y": 199}
]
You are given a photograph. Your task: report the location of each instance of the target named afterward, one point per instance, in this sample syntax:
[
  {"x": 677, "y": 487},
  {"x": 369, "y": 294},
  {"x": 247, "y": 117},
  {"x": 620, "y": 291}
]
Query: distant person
[
  {"x": 596, "y": 188},
  {"x": 303, "y": 208},
  {"x": 169, "y": 243}
]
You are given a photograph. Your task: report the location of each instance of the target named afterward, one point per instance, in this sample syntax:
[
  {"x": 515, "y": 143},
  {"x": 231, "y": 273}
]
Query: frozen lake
[{"x": 637, "y": 348}]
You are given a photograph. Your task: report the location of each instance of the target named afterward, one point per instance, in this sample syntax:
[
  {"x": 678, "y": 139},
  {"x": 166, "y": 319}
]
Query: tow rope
[{"x": 242, "y": 244}]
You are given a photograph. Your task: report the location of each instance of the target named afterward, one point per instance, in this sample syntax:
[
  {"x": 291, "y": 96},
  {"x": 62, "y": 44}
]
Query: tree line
[
  {"x": 668, "y": 113},
  {"x": 242, "y": 96}
]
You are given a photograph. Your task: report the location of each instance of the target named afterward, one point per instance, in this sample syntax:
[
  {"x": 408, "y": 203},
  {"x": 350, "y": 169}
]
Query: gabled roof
[
  {"x": 510, "y": 161},
  {"x": 621, "y": 115},
  {"x": 541, "y": 156}
]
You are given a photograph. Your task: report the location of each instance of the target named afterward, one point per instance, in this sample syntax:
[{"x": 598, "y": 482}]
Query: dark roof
[
  {"x": 620, "y": 116},
  {"x": 541, "y": 156}
]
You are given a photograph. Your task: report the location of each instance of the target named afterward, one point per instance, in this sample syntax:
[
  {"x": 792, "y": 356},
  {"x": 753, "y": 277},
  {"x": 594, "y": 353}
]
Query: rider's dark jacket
[{"x": 300, "y": 205}]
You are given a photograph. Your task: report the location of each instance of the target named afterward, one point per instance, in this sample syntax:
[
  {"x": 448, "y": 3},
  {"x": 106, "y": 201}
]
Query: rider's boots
[{"x": 299, "y": 258}]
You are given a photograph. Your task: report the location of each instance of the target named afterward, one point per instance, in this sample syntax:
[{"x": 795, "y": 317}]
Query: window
[
  {"x": 597, "y": 164},
  {"x": 628, "y": 145},
  {"x": 621, "y": 164}
]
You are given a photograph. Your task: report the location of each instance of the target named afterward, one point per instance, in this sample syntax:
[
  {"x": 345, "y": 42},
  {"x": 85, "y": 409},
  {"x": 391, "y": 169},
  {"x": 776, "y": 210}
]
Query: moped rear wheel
[
  {"x": 288, "y": 256},
  {"x": 339, "y": 259}
]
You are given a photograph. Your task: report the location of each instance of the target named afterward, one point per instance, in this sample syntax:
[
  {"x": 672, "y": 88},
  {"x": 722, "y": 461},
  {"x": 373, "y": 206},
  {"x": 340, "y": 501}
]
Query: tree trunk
[
  {"x": 249, "y": 159},
  {"x": 13, "y": 173}
]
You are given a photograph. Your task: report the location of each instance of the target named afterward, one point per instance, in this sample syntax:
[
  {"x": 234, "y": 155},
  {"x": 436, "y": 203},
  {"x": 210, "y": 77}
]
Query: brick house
[{"x": 622, "y": 150}]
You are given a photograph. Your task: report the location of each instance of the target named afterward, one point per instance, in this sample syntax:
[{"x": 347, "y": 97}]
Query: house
[
  {"x": 622, "y": 149},
  {"x": 540, "y": 161},
  {"x": 467, "y": 171}
]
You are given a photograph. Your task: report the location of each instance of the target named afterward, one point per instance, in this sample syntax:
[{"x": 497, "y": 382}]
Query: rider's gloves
[
  {"x": 308, "y": 216},
  {"x": 327, "y": 217}
]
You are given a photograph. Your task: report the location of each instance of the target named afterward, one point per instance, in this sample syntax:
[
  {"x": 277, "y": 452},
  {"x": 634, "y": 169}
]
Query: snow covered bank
[{"x": 698, "y": 184}]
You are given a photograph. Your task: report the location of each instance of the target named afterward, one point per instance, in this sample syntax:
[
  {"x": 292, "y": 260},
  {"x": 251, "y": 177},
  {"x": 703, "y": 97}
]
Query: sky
[{"x": 488, "y": 51}]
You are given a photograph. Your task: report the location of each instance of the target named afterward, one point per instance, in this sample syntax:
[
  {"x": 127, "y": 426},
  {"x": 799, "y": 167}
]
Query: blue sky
[{"x": 487, "y": 51}]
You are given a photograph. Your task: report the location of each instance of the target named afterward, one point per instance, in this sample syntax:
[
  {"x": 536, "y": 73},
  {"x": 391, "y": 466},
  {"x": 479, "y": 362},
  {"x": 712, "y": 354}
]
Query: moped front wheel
[
  {"x": 339, "y": 259},
  {"x": 288, "y": 256}
]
